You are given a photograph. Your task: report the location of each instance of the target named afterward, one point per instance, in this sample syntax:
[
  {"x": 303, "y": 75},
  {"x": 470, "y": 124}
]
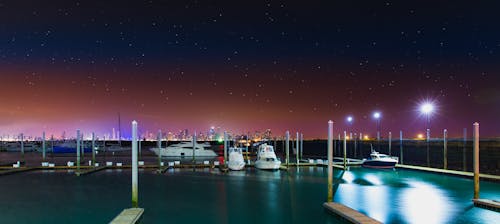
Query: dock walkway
[
  {"x": 452, "y": 172},
  {"x": 128, "y": 216},
  {"x": 349, "y": 214}
]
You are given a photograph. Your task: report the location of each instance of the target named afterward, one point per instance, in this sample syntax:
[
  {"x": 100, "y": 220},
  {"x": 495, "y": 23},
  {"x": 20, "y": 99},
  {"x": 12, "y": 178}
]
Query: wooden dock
[
  {"x": 89, "y": 171},
  {"x": 16, "y": 170},
  {"x": 128, "y": 216},
  {"x": 451, "y": 172},
  {"x": 349, "y": 214},
  {"x": 488, "y": 204}
]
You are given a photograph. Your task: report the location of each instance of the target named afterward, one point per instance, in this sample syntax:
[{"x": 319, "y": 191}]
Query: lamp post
[
  {"x": 349, "y": 120},
  {"x": 427, "y": 109},
  {"x": 376, "y": 116}
]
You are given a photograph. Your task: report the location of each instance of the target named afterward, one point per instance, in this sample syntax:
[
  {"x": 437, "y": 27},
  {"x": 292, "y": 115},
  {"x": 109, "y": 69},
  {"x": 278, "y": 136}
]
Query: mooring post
[
  {"x": 464, "y": 158},
  {"x": 78, "y": 150},
  {"x": 43, "y": 146},
  {"x": 345, "y": 150},
  {"x": 140, "y": 147},
  {"x": 355, "y": 145},
  {"x": 22, "y": 147},
  {"x": 93, "y": 148},
  {"x": 135, "y": 179},
  {"x": 401, "y": 145},
  {"x": 330, "y": 161},
  {"x": 390, "y": 143},
  {"x": 194, "y": 149},
  {"x": 301, "y": 145},
  {"x": 445, "y": 150},
  {"x": 287, "y": 147},
  {"x": 297, "y": 149},
  {"x": 225, "y": 147},
  {"x": 476, "y": 160},
  {"x": 52, "y": 145},
  {"x": 428, "y": 136},
  {"x": 82, "y": 146},
  {"x": 246, "y": 149},
  {"x": 158, "y": 145}
]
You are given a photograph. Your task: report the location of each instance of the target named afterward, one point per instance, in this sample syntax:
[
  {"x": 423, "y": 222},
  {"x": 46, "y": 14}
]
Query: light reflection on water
[{"x": 404, "y": 196}]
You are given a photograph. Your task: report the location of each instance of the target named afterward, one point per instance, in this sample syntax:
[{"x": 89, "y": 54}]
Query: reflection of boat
[
  {"x": 378, "y": 160},
  {"x": 70, "y": 147},
  {"x": 236, "y": 161},
  {"x": 266, "y": 158},
  {"x": 186, "y": 149}
]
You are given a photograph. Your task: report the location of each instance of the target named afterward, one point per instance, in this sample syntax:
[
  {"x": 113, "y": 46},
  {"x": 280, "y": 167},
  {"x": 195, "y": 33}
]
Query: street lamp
[
  {"x": 376, "y": 116},
  {"x": 349, "y": 120},
  {"x": 426, "y": 109}
]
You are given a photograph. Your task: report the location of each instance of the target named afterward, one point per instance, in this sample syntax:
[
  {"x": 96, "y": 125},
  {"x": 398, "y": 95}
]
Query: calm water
[{"x": 252, "y": 196}]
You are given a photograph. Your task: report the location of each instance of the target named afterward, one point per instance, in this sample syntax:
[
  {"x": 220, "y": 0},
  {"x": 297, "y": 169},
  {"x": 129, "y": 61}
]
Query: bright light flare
[
  {"x": 349, "y": 119},
  {"x": 427, "y": 108},
  {"x": 376, "y": 115}
]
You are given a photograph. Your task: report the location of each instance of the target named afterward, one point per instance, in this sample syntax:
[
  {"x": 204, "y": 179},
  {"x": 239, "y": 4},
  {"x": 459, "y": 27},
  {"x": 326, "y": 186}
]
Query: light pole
[
  {"x": 376, "y": 116},
  {"x": 349, "y": 120},
  {"x": 427, "y": 109}
]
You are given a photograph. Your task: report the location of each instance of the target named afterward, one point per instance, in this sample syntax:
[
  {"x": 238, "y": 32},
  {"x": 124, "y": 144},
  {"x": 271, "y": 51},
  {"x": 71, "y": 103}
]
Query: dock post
[
  {"x": 301, "y": 145},
  {"x": 297, "y": 149},
  {"x": 464, "y": 158},
  {"x": 476, "y": 160},
  {"x": 330, "y": 161},
  {"x": 22, "y": 147},
  {"x": 43, "y": 146},
  {"x": 445, "y": 150},
  {"x": 135, "y": 190},
  {"x": 93, "y": 148},
  {"x": 225, "y": 147},
  {"x": 140, "y": 147},
  {"x": 287, "y": 146},
  {"x": 345, "y": 150},
  {"x": 78, "y": 150},
  {"x": 355, "y": 144},
  {"x": 428, "y": 137},
  {"x": 390, "y": 143},
  {"x": 158, "y": 145},
  {"x": 401, "y": 145},
  {"x": 82, "y": 146},
  {"x": 246, "y": 148},
  {"x": 194, "y": 150},
  {"x": 52, "y": 145}
]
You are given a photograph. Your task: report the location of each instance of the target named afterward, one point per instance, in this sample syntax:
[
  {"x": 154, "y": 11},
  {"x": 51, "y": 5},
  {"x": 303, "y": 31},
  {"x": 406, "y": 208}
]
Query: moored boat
[
  {"x": 378, "y": 160},
  {"x": 236, "y": 161},
  {"x": 266, "y": 158}
]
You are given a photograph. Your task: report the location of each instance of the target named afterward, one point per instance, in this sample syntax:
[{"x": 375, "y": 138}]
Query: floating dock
[
  {"x": 89, "y": 171},
  {"x": 488, "y": 204},
  {"x": 128, "y": 216},
  {"x": 451, "y": 172},
  {"x": 349, "y": 214},
  {"x": 16, "y": 170}
]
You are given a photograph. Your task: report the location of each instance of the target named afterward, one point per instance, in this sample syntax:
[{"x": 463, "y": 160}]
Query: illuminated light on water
[
  {"x": 373, "y": 179},
  {"x": 424, "y": 203},
  {"x": 348, "y": 177}
]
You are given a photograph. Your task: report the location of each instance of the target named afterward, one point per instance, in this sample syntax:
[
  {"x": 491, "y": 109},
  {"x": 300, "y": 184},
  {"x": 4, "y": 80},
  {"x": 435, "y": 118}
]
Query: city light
[
  {"x": 349, "y": 119},
  {"x": 376, "y": 115}
]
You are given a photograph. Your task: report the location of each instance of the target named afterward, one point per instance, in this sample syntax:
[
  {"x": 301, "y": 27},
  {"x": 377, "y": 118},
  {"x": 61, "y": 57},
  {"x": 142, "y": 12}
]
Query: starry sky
[{"x": 246, "y": 66}]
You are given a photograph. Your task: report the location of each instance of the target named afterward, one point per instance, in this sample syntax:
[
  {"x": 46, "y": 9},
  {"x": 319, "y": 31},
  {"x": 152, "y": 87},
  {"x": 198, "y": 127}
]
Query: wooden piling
[
  {"x": 445, "y": 150},
  {"x": 330, "y": 161},
  {"x": 135, "y": 190}
]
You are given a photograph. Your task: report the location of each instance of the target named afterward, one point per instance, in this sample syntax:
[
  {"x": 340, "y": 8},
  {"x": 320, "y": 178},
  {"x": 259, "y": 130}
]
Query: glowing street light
[
  {"x": 377, "y": 116},
  {"x": 426, "y": 109}
]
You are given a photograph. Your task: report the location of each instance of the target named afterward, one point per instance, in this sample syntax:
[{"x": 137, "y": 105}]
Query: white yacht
[
  {"x": 266, "y": 158},
  {"x": 236, "y": 161},
  {"x": 378, "y": 160},
  {"x": 183, "y": 149}
]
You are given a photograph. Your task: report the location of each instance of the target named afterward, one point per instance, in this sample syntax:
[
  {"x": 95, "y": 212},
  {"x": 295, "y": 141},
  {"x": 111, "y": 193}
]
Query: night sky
[{"x": 249, "y": 66}]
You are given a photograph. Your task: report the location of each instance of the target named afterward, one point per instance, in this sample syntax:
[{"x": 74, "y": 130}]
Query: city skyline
[{"x": 248, "y": 66}]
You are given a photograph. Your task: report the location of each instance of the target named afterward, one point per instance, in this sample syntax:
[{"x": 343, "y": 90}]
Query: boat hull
[
  {"x": 61, "y": 149},
  {"x": 267, "y": 165},
  {"x": 236, "y": 165},
  {"x": 379, "y": 164}
]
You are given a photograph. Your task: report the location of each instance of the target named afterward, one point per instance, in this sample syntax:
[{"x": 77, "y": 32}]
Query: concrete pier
[{"x": 349, "y": 214}]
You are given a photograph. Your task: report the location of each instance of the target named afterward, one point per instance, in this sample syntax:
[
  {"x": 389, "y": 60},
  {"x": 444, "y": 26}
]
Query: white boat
[
  {"x": 266, "y": 158},
  {"x": 185, "y": 149},
  {"x": 236, "y": 161},
  {"x": 378, "y": 160}
]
